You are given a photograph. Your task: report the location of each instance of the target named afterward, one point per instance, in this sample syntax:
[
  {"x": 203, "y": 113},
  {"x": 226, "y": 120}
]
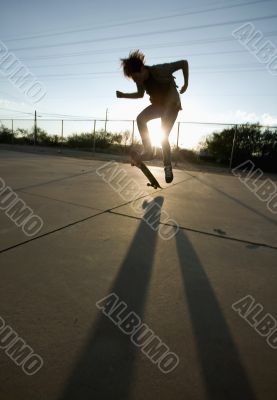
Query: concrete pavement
[{"x": 179, "y": 258}]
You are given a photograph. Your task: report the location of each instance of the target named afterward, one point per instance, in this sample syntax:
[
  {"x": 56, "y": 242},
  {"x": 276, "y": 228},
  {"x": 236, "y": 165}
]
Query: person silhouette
[{"x": 159, "y": 83}]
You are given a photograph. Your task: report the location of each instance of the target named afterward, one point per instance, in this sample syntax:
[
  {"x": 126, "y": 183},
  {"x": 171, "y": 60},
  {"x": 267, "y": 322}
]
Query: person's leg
[
  {"x": 168, "y": 118},
  {"x": 150, "y": 112}
]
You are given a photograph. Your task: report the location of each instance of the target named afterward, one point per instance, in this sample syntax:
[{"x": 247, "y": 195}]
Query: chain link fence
[{"x": 228, "y": 144}]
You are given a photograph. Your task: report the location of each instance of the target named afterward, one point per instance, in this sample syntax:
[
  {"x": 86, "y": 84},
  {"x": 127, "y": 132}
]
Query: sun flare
[{"x": 155, "y": 132}]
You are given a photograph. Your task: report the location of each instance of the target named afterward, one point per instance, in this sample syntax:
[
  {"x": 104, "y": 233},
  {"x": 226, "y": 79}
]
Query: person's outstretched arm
[
  {"x": 176, "y": 66},
  {"x": 185, "y": 69},
  {"x": 136, "y": 95}
]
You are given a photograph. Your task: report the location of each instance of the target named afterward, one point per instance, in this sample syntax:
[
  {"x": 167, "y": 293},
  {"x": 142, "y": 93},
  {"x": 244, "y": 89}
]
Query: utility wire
[
  {"x": 151, "y": 33},
  {"x": 144, "y": 46},
  {"x": 154, "y": 58},
  {"x": 132, "y": 22}
]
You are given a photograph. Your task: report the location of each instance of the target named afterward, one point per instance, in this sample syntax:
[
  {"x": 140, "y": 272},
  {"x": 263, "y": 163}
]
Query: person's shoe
[
  {"x": 147, "y": 155},
  {"x": 168, "y": 173}
]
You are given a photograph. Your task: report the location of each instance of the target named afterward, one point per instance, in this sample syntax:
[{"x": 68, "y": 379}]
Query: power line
[
  {"x": 18, "y": 111},
  {"x": 194, "y": 68},
  {"x": 145, "y": 46},
  {"x": 132, "y": 22},
  {"x": 111, "y": 74},
  {"x": 47, "y": 114},
  {"x": 159, "y": 32},
  {"x": 81, "y": 27},
  {"x": 163, "y": 57},
  {"x": 68, "y": 115}
]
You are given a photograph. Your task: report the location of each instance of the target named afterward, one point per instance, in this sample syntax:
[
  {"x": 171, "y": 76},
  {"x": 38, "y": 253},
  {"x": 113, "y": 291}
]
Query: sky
[{"x": 74, "y": 48}]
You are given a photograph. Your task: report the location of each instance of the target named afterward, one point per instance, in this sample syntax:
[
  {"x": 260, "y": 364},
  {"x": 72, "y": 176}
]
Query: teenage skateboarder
[{"x": 159, "y": 83}]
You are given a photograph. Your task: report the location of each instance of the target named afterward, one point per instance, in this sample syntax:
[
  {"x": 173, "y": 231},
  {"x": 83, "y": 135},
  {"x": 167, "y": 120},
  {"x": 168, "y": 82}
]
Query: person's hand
[
  {"x": 183, "y": 89},
  {"x": 119, "y": 94}
]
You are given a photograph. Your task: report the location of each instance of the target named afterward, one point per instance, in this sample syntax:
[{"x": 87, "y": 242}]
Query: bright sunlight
[{"x": 155, "y": 132}]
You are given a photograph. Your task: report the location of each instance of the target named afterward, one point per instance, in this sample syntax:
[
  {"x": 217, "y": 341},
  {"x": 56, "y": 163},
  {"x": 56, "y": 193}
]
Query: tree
[{"x": 252, "y": 143}]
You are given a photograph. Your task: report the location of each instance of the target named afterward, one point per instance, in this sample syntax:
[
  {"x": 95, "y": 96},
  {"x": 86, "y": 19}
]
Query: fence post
[
  {"x": 133, "y": 131},
  {"x": 35, "y": 129},
  {"x": 177, "y": 144},
  {"x": 12, "y": 133},
  {"x": 94, "y": 132},
  {"x": 106, "y": 120},
  {"x": 62, "y": 138},
  {"x": 233, "y": 147},
  {"x": 178, "y": 134}
]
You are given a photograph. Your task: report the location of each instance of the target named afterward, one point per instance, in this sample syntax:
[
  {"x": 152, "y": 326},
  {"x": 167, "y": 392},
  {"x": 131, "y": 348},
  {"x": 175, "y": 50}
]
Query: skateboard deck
[{"x": 136, "y": 160}]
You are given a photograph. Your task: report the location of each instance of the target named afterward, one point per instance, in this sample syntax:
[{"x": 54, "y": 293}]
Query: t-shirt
[{"x": 161, "y": 86}]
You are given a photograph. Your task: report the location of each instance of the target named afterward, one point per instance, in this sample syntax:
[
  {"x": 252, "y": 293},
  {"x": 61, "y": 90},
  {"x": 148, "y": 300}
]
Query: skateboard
[{"x": 136, "y": 160}]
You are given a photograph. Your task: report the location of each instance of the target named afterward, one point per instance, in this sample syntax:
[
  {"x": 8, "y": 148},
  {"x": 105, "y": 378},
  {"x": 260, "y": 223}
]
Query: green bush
[
  {"x": 252, "y": 143},
  {"x": 6, "y": 135}
]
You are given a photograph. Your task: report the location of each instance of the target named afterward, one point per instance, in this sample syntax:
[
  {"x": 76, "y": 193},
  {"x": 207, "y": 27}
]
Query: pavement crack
[{"x": 202, "y": 232}]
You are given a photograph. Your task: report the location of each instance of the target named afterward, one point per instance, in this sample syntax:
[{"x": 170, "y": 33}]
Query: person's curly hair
[{"x": 133, "y": 63}]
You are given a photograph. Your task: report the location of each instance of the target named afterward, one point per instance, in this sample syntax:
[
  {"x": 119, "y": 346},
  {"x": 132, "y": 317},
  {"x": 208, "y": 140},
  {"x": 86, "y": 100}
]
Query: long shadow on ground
[
  {"x": 222, "y": 369},
  {"x": 106, "y": 365}
]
